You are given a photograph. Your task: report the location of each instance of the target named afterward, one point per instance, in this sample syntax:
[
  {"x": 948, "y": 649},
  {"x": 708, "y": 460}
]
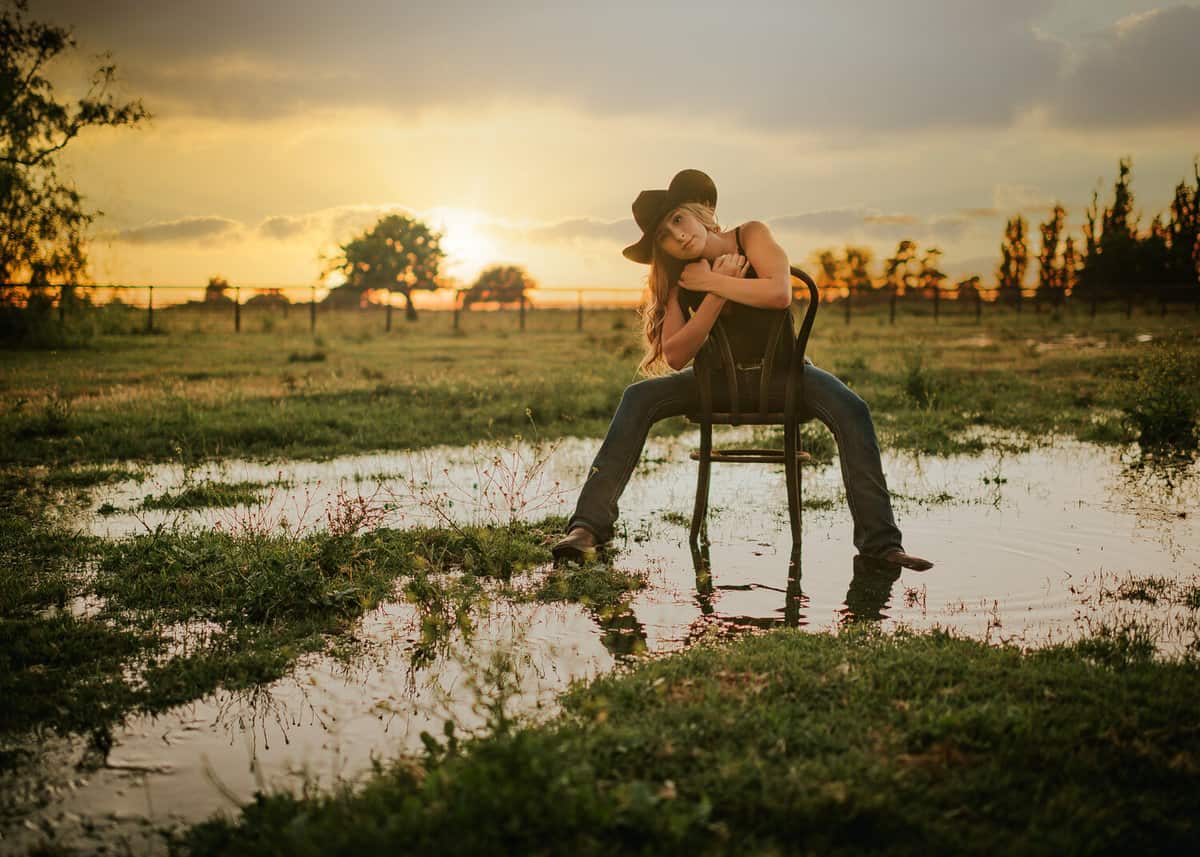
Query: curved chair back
[{"x": 717, "y": 350}]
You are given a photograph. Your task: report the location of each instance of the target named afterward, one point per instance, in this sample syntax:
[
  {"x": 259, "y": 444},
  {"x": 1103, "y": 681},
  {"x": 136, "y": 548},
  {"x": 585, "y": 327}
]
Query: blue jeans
[{"x": 826, "y": 398}]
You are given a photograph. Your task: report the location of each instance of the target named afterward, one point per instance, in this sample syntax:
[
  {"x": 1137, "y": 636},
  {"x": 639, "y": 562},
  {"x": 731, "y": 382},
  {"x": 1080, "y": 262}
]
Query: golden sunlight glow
[{"x": 468, "y": 249}]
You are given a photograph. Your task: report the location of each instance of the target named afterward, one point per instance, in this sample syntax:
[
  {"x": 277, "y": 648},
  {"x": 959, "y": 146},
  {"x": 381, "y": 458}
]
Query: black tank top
[{"x": 749, "y": 328}]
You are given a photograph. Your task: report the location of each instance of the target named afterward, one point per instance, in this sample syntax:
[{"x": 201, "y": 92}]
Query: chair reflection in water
[{"x": 868, "y": 595}]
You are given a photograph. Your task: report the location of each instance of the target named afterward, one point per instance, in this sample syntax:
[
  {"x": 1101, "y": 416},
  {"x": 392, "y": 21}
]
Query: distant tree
[
  {"x": 502, "y": 284},
  {"x": 897, "y": 270},
  {"x": 857, "y": 269},
  {"x": 930, "y": 276},
  {"x": 399, "y": 254},
  {"x": 1089, "y": 282},
  {"x": 1110, "y": 262},
  {"x": 968, "y": 289},
  {"x": 1014, "y": 261},
  {"x": 1152, "y": 259},
  {"x": 269, "y": 298},
  {"x": 1183, "y": 233},
  {"x": 831, "y": 269},
  {"x": 1070, "y": 266},
  {"x": 214, "y": 292},
  {"x": 42, "y": 217},
  {"x": 1051, "y": 275}
]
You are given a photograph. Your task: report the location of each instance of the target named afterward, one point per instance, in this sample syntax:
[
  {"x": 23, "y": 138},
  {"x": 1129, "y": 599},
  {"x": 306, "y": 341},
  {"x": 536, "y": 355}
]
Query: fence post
[
  {"x": 579, "y": 310},
  {"x": 457, "y": 301},
  {"x": 892, "y": 305},
  {"x": 522, "y": 310},
  {"x": 978, "y": 305},
  {"x": 849, "y": 300},
  {"x": 937, "y": 302},
  {"x": 62, "y": 303},
  {"x": 387, "y": 325},
  {"x": 150, "y": 312},
  {"x": 237, "y": 309},
  {"x": 312, "y": 309}
]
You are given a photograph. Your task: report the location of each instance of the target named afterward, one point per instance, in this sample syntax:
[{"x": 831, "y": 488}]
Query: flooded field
[{"x": 1031, "y": 547}]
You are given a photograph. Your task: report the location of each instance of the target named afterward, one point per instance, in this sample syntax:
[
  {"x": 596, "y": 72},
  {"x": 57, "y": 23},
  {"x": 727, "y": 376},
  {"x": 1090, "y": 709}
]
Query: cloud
[
  {"x": 872, "y": 65},
  {"x": 1142, "y": 71},
  {"x": 282, "y": 228},
  {"x": 979, "y": 213},
  {"x": 869, "y": 224},
  {"x": 623, "y": 231},
  {"x": 890, "y": 219},
  {"x": 826, "y": 222},
  {"x": 1010, "y": 198},
  {"x": 182, "y": 230}
]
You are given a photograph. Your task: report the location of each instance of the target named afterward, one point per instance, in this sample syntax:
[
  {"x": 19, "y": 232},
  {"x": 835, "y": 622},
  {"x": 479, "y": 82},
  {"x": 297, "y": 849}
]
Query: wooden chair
[{"x": 715, "y": 364}]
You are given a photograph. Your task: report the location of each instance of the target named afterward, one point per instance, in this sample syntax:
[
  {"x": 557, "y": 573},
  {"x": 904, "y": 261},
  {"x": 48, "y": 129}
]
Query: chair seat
[{"x": 751, "y": 456}]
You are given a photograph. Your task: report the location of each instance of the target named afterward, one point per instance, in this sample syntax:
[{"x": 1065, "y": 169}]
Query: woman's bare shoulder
[{"x": 755, "y": 228}]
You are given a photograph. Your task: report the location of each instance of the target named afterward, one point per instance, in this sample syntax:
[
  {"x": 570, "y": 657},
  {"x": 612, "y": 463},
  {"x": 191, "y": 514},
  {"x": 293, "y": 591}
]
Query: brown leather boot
[
  {"x": 897, "y": 556},
  {"x": 578, "y": 546}
]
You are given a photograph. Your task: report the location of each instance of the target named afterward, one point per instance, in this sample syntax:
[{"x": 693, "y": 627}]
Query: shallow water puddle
[{"x": 1032, "y": 548}]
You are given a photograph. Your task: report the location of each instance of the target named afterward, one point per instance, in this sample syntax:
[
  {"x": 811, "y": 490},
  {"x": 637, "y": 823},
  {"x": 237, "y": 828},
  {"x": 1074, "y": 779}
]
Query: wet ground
[{"x": 1031, "y": 547}]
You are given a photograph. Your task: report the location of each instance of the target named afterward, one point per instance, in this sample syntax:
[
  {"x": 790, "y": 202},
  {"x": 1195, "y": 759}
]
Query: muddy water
[{"x": 1030, "y": 548}]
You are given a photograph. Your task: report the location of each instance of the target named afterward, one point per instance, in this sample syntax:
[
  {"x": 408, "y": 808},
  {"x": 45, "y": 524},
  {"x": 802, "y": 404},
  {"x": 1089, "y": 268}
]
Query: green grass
[
  {"x": 199, "y": 390},
  {"x": 792, "y": 743},
  {"x": 208, "y": 494}
]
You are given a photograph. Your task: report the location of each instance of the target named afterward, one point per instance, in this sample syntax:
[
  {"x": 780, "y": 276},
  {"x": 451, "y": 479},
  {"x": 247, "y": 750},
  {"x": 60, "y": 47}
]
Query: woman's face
[{"x": 681, "y": 235}]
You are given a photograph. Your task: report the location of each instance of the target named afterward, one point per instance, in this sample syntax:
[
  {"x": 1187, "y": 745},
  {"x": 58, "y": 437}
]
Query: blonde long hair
[{"x": 664, "y": 274}]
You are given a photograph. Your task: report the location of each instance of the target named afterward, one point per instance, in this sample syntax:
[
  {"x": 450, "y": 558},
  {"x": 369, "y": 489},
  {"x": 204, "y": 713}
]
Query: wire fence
[{"x": 846, "y": 302}]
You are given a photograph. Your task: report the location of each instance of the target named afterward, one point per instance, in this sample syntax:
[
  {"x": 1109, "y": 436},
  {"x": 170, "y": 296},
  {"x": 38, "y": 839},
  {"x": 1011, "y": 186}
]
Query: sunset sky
[{"x": 524, "y": 130}]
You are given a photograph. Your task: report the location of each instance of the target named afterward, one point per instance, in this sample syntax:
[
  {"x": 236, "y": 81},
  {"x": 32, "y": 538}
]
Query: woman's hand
[
  {"x": 731, "y": 265},
  {"x": 700, "y": 276},
  {"x": 697, "y": 276}
]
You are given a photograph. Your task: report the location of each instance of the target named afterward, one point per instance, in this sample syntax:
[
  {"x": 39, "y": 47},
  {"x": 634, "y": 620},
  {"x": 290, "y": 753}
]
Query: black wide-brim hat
[{"x": 651, "y": 206}]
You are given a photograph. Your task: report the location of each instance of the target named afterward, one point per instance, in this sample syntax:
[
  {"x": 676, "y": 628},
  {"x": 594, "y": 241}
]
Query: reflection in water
[
  {"x": 621, "y": 632},
  {"x": 870, "y": 590},
  {"x": 869, "y": 594},
  {"x": 1163, "y": 485},
  {"x": 710, "y": 621}
]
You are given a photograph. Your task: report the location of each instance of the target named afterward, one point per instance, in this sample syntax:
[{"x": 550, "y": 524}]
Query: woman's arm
[
  {"x": 771, "y": 289},
  {"x": 682, "y": 338}
]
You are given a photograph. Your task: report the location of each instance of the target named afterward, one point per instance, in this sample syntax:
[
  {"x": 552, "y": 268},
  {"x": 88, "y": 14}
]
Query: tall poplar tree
[
  {"x": 1183, "y": 235},
  {"x": 1014, "y": 261},
  {"x": 1051, "y": 277}
]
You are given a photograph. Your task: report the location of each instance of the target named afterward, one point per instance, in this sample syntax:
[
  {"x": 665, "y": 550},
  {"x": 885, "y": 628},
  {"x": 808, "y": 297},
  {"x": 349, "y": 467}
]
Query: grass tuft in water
[
  {"x": 1165, "y": 401},
  {"x": 595, "y": 584},
  {"x": 206, "y": 495},
  {"x": 918, "y": 383}
]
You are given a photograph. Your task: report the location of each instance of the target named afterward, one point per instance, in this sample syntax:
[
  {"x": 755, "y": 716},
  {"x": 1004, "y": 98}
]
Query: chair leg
[
  {"x": 704, "y": 583},
  {"x": 700, "y": 511},
  {"x": 791, "y": 469},
  {"x": 795, "y": 595}
]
